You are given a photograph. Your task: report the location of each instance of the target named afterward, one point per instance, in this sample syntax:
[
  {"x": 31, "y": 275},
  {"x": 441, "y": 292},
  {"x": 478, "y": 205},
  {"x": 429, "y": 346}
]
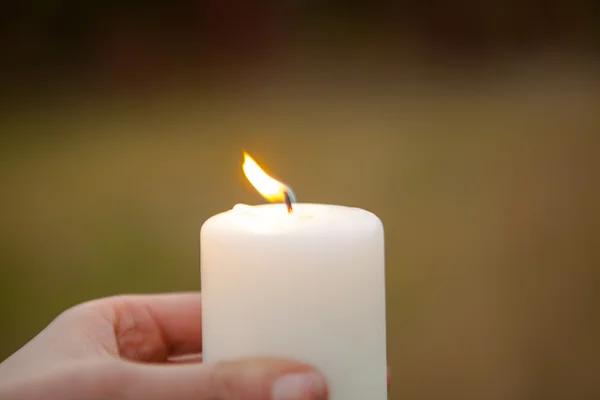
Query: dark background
[{"x": 470, "y": 127}]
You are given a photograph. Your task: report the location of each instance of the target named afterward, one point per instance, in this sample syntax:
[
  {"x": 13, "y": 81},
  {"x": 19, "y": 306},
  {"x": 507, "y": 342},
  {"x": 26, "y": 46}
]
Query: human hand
[{"x": 122, "y": 348}]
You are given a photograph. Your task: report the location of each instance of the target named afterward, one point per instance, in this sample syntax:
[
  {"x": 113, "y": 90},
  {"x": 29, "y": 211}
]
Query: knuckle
[
  {"x": 95, "y": 306},
  {"x": 84, "y": 317},
  {"x": 79, "y": 311}
]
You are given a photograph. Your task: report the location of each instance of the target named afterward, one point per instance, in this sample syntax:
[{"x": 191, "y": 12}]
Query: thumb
[{"x": 251, "y": 379}]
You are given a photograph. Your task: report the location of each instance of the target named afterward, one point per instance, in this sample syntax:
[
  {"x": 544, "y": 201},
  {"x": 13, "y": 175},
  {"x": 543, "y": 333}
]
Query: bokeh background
[{"x": 471, "y": 128}]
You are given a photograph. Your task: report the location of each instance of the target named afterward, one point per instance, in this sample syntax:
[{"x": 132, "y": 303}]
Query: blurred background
[{"x": 471, "y": 128}]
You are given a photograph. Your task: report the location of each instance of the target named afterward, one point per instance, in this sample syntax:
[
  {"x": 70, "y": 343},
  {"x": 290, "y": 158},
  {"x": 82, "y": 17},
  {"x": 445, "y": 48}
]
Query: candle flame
[{"x": 269, "y": 188}]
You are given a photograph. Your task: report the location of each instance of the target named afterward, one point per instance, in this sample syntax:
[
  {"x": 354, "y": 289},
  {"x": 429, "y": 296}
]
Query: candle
[{"x": 299, "y": 281}]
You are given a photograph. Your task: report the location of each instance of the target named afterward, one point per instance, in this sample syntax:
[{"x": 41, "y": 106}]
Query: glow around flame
[{"x": 271, "y": 189}]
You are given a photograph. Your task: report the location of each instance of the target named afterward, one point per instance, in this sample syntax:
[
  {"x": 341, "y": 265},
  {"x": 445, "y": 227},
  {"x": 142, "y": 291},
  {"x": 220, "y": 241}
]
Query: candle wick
[{"x": 288, "y": 202}]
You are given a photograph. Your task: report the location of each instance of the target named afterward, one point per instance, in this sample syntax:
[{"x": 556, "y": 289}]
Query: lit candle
[{"x": 299, "y": 281}]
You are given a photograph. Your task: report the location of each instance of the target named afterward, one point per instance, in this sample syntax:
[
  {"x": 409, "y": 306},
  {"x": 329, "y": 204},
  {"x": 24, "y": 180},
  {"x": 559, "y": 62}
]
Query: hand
[{"x": 123, "y": 348}]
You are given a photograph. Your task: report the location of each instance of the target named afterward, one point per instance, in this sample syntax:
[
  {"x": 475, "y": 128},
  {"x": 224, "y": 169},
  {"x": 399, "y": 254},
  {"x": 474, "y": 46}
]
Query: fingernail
[{"x": 309, "y": 386}]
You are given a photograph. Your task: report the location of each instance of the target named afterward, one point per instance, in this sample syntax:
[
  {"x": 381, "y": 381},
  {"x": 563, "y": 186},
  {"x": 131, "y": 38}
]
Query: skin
[{"x": 144, "y": 347}]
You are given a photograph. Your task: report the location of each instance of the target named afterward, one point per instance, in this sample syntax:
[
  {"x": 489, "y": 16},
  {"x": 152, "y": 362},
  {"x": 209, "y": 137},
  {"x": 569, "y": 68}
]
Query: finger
[
  {"x": 154, "y": 327},
  {"x": 256, "y": 379}
]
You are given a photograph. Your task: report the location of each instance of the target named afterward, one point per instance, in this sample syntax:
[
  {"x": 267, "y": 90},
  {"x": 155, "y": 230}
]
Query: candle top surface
[{"x": 274, "y": 219}]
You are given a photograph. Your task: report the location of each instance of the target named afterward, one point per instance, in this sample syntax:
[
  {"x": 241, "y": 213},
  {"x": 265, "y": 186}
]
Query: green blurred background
[{"x": 471, "y": 129}]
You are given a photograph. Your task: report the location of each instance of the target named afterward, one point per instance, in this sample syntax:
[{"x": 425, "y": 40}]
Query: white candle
[{"x": 307, "y": 285}]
